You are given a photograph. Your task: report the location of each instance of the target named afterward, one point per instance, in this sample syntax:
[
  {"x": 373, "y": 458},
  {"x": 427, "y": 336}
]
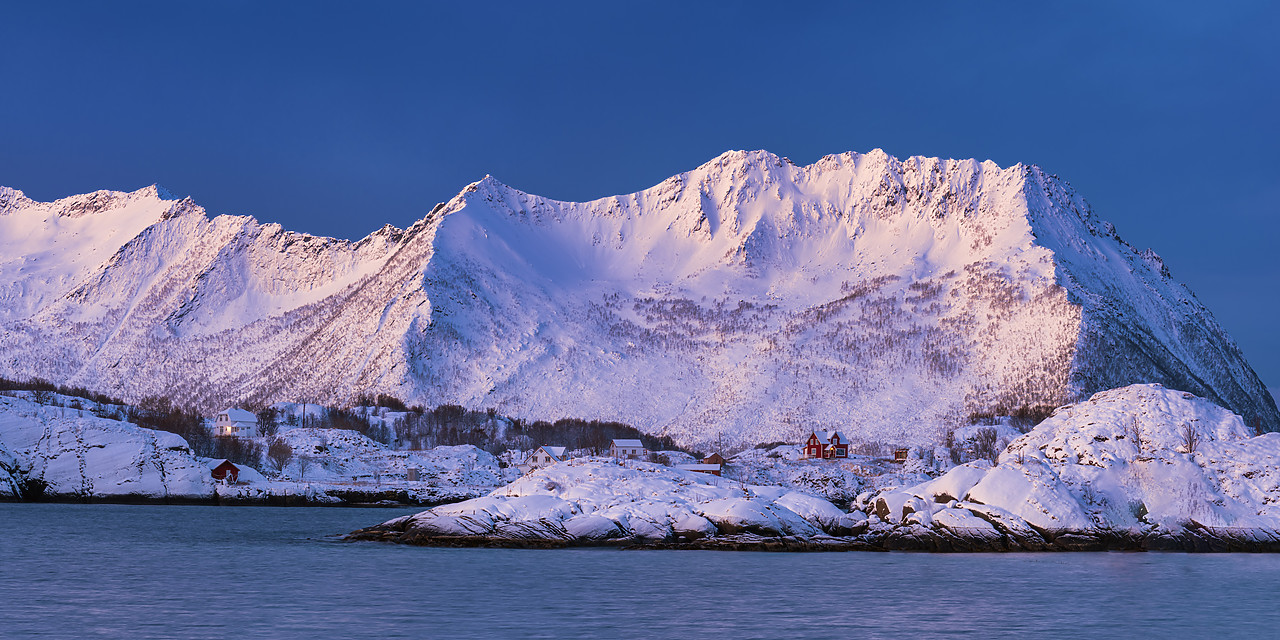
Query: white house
[
  {"x": 627, "y": 449},
  {"x": 235, "y": 423},
  {"x": 542, "y": 457}
]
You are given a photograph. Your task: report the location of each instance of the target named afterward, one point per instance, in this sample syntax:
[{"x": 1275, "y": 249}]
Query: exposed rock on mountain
[{"x": 747, "y": 300}]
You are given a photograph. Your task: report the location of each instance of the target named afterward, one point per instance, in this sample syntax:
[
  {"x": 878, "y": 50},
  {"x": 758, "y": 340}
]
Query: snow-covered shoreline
[
  {"x": 81, "y": 454},
  {"x": 1137, "y": 468}
]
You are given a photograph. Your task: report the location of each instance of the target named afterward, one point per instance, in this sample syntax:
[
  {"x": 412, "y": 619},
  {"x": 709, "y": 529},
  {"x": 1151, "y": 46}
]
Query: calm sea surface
[{"x": 109, "y": 571}]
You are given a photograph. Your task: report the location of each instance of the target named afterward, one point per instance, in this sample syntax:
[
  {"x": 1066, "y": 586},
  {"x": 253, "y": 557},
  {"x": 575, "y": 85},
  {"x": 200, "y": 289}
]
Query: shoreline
[
  {"x": 1199, "y": 540},
  {"x": 334, "y": 500}
]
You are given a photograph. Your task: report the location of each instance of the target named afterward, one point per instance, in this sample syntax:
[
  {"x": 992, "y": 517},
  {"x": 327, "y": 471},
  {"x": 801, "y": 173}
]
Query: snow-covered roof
[
  {"x": 239, "y": 415},
  {"x": 555, "y": 451},
  {"x": 835, "y": 437},
  {"x": 627, "y": 443},
  {"x": 214, "y": 464}
]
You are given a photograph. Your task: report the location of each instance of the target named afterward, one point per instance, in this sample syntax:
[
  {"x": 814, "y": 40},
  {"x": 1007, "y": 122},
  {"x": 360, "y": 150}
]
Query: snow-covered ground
[
  {"x": 72, "y": 452},
  {"x": 1141, "y": 465},
  {"x": 1128, "y": 459},
  {"x": 338, "y": 455},
  {"x": 65, "y": 452}
]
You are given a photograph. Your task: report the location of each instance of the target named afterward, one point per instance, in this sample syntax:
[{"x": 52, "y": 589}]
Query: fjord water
[{"x": 115, "y": 571}]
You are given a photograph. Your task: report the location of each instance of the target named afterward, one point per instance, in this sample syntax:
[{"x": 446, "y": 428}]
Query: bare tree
[
  {"x": 984, "y": 444},
  {"x": 1190, "y": 437},
  {"x": 1134, "y": 431},
  {"x": 268, "y": 421},
  {"x": 42, "y": 396},
  {"x": 279, "y": 453},
  {"x": 304, "y": 463}
]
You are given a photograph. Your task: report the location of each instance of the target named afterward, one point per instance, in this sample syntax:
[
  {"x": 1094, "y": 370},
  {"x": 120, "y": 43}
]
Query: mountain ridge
[{"x": 744, "y": 300}]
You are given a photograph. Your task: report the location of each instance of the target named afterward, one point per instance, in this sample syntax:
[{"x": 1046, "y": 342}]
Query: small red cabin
[
  {"x": 224, "y": 471},
  {"x": 714, "y": 458}
]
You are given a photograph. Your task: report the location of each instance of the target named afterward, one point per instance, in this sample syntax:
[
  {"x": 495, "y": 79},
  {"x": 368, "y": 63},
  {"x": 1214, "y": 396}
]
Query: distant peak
[
  {"x": 11, "y": 198},
  {"x": 741, "y": 157},
  {"x": 488, "y": 182},
  {"x": 155, "y": 191}
]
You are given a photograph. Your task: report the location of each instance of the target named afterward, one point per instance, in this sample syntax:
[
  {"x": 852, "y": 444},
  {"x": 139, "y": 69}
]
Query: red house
[
  {"x": 831, "y": 444},
  {"x": 714, "y": 458},
  {"x": 224, "y": 471},
  {"x": 837, "y": 445}
]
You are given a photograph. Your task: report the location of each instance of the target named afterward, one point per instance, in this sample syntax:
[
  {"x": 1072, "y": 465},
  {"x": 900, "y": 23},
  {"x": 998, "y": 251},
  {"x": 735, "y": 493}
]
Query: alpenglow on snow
[{"x": 748, "y": 300}]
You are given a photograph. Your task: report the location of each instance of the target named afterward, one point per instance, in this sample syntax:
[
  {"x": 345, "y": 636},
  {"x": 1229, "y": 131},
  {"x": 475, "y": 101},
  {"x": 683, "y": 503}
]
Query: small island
[{"x": 1137, "y": 468}]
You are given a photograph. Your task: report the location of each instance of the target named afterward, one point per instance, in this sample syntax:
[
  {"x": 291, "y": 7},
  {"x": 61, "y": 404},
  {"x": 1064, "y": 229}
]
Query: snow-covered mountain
[{"x": 748, "y": 300}]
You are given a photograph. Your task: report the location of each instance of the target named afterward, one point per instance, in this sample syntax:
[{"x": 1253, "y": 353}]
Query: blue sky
[{"x": 333, "y": 118}]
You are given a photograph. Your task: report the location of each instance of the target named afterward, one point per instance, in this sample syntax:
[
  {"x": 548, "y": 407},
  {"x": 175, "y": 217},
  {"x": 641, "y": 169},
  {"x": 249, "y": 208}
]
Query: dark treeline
[
  {"x": 415, "y": 428},
  {"x": 594, "y": 435},
  {"x": 42, "y": 386},
  {"x": 449, "y": 425}
]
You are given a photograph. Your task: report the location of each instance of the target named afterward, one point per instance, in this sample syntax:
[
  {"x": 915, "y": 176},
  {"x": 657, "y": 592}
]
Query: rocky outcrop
[
  {"x": 1137, "y": 468},
  {"x": 52, "y": 452}
]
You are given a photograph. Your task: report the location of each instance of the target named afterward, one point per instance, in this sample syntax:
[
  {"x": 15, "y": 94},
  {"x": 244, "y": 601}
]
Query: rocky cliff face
[{"x": 747, "y": 300}]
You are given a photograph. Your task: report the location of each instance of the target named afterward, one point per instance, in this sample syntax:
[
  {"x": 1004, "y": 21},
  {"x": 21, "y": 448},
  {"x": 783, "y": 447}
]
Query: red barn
[
  {"x": 224, "y": 471},
  {"x": 714, "y": 458}
]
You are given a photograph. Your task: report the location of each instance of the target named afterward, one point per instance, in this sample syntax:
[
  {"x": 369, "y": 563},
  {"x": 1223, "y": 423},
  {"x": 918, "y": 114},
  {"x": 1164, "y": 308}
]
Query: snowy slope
[
  {"x": 749, "y": 298},
  {"x": 1120, "y": 461},
  {"x": 336, "y": 455},
  {"x": 75, "y": 453}
]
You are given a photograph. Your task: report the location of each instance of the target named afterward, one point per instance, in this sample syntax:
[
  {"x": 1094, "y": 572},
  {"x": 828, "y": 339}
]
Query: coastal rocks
[
  {"x": 1142, "y": 467},
  {"x": 595, "y": 500},
  {"x": 594, "y": 528},
  {"x": 1138, "y": 468},
  {"x": 55, "y": 451}
]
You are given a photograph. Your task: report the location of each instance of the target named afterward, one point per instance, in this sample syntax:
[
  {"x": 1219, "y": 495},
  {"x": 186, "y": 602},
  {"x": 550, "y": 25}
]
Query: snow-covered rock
[
  {"x": 1141, "y": 458},
  {"x": 71, "y": 452},
  {"x": 717, "y": 305},
  {"x": 591, "y": 500},
  {"x": 1141, "y": 467}
]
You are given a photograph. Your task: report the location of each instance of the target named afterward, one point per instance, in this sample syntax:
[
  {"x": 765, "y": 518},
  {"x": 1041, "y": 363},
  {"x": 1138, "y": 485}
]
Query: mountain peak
[
  {"x": 749, "y": 297},
  {"x": 158, "y": 192}
]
